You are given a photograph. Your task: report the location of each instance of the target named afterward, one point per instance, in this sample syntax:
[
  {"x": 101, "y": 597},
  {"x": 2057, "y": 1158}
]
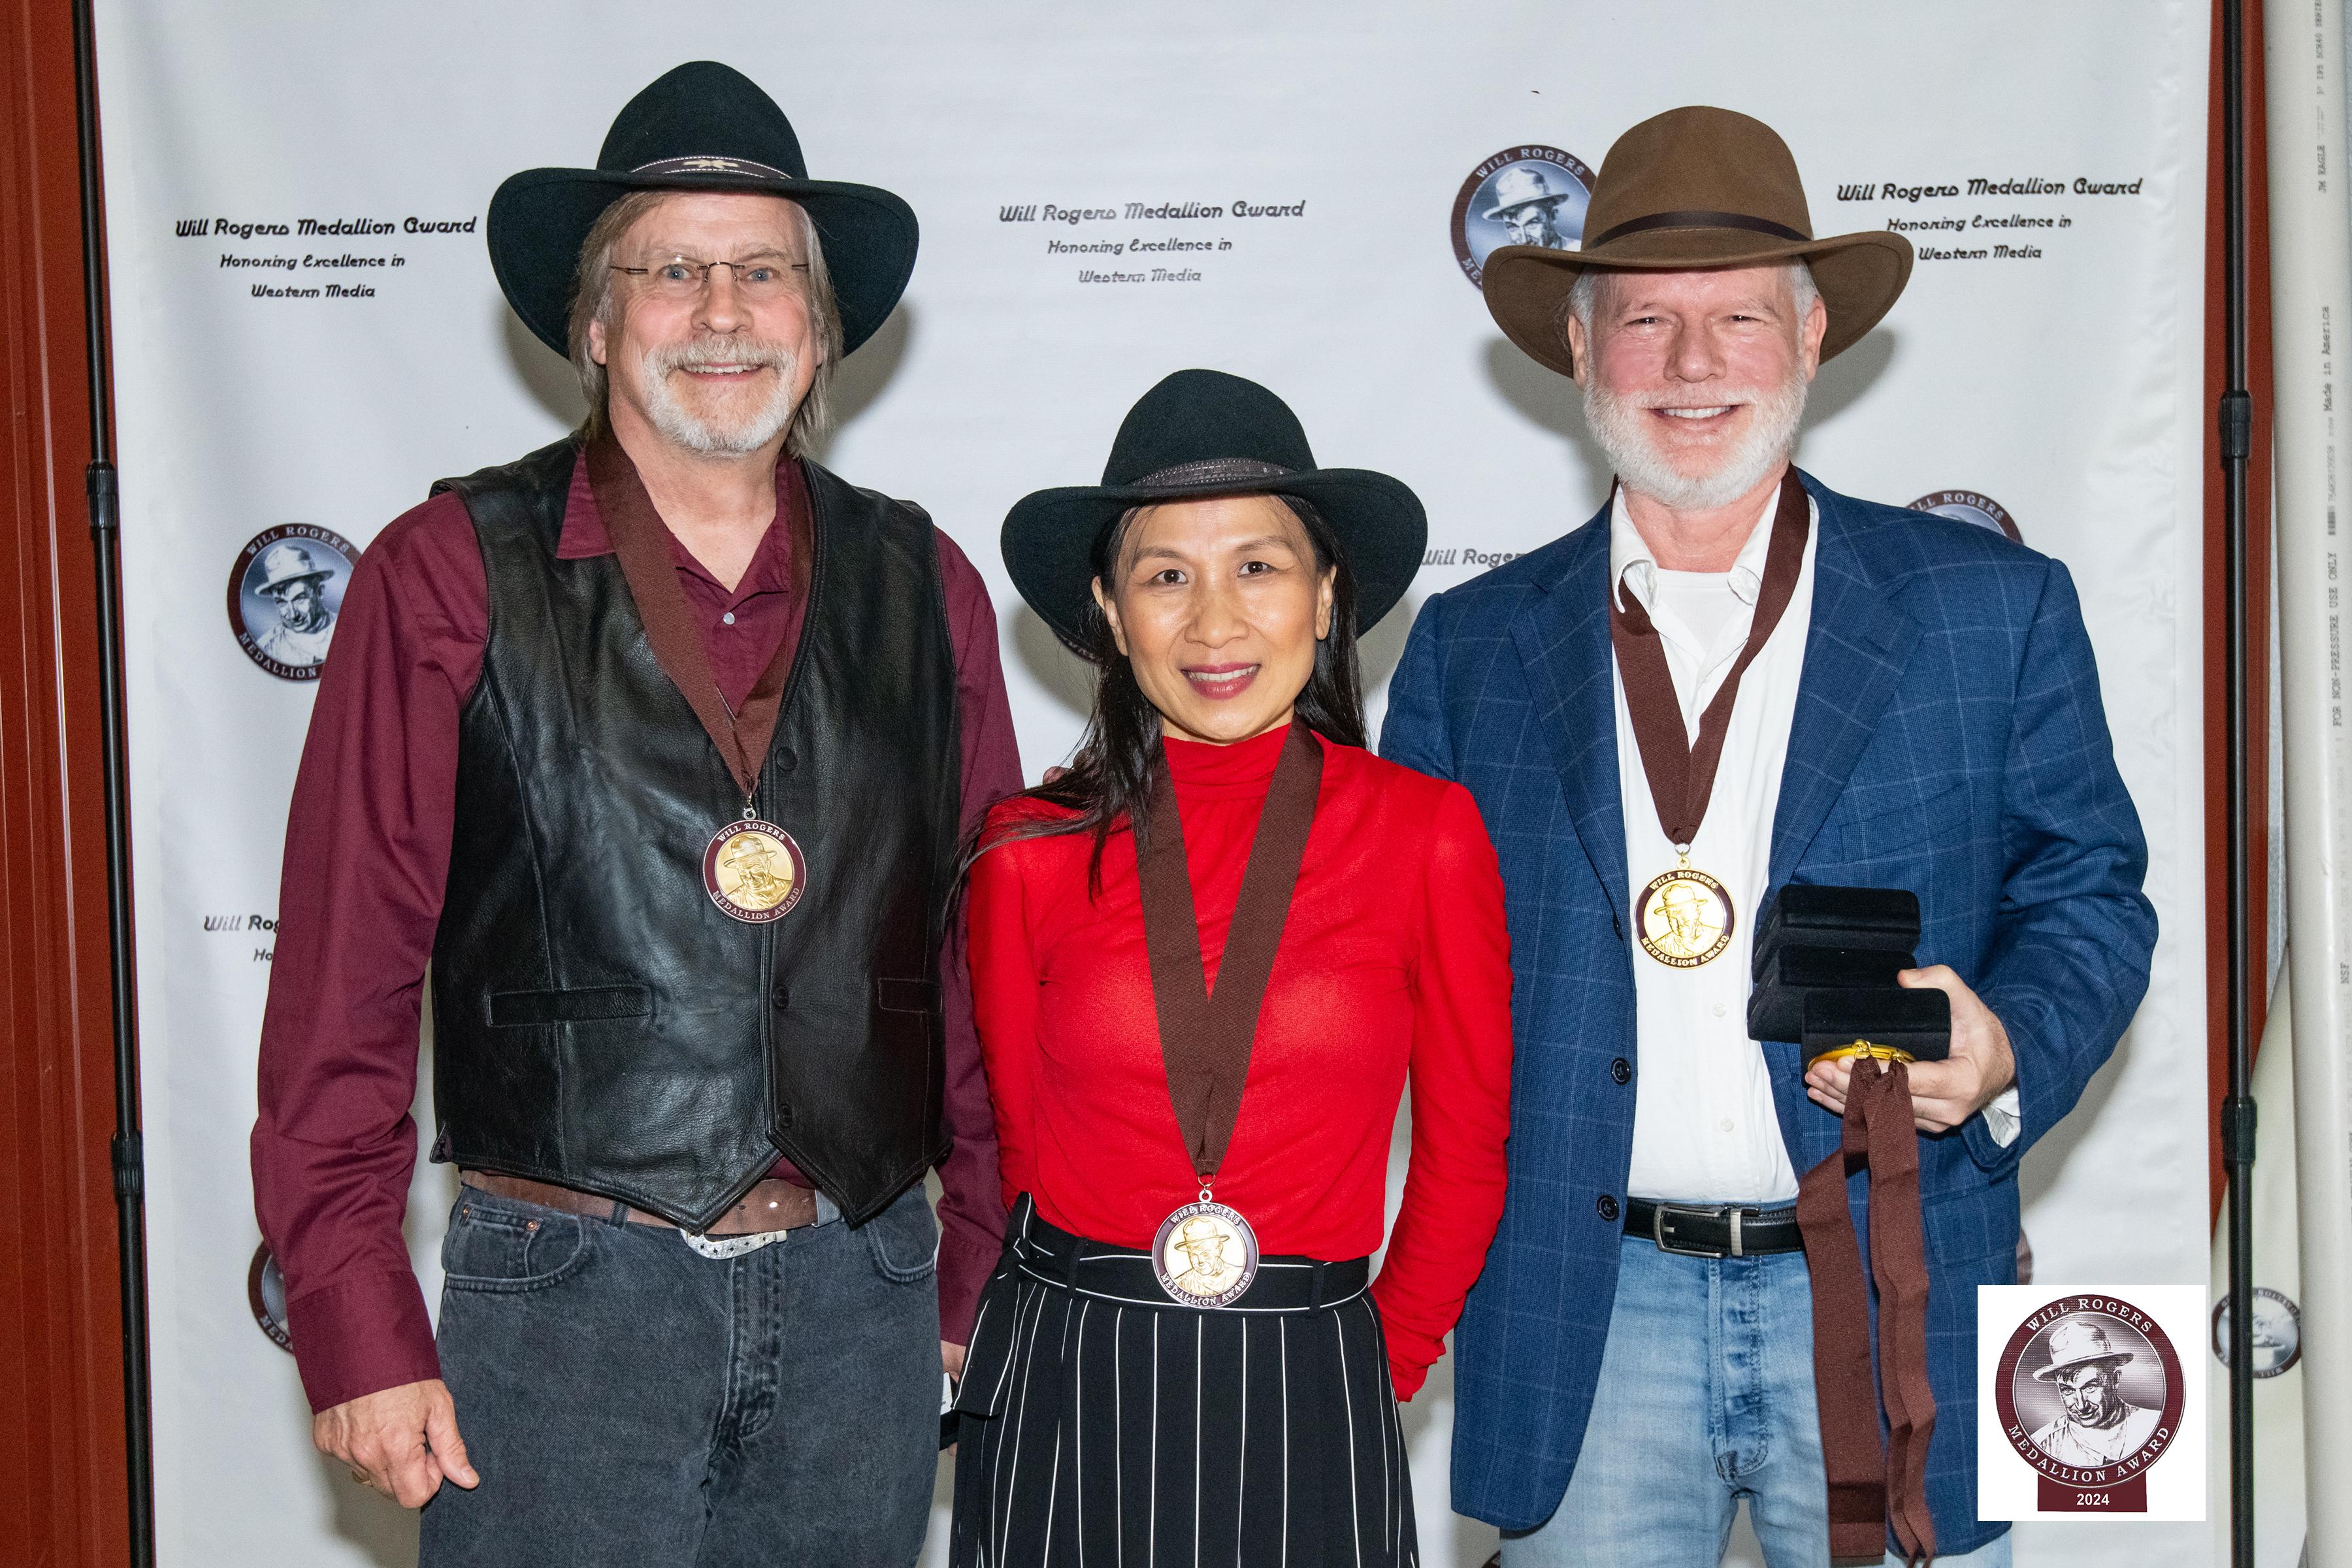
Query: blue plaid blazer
[{"x": 1948, "y": 739}]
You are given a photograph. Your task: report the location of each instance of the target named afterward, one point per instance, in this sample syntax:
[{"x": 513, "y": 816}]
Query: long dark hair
[{"x": 1107, "y": 782}]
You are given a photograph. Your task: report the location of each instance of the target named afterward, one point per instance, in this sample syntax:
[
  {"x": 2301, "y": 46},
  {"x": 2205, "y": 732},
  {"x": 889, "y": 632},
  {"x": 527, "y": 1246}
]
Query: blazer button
[
  {"x": 1621, "y": 1070},
  {"x": 780, "y": 998},
  {"x": 1608, "y": 1208}
]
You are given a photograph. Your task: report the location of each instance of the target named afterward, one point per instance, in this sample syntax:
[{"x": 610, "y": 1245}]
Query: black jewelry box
[
  {"x": 1885, "y": 918},
  {"x": 1918, "y": 1023},
  {"x": 1776, "y": 1008},
  {"x": 1825, "y": 964}
]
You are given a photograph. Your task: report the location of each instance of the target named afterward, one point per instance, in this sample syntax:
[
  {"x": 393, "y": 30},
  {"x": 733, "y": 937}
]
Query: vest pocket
[
  {"x": 588, "y": 1004},
  {"x": 894, "y": 996}
]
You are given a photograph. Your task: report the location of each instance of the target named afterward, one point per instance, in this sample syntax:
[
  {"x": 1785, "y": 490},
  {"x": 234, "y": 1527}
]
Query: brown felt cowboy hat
[{"x": 1693, "y": 188}]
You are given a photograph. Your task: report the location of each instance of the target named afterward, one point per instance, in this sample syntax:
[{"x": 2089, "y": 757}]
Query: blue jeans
[
  {"x": 1705, "y": 1398},
  {"x": 629, "y": 1402}
]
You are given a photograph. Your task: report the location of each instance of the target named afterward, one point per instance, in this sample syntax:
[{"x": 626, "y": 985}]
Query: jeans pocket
[
  {"x": 493, "y": 1248},
  {"x": 904, "y": 1239}
]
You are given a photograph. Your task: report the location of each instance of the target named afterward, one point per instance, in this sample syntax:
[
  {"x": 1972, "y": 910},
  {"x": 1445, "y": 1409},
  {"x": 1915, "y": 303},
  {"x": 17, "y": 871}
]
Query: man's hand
[
  {"x": 951, "y": 1359},
  {"x": 401, "y": 1441},
  {"x": 1943, "y": 1094}
]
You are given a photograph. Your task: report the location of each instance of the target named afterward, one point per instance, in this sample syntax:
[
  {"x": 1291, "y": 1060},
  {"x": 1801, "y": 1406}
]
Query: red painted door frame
[
  {"x": 2258, "y": 580},
  {"x": 62, "y": 1492}
]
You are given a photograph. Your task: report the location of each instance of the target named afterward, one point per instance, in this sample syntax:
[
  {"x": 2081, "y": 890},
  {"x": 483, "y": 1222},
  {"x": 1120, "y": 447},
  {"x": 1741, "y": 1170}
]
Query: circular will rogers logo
[
  {"x": 2278, "y": 1332},
  {"x": 2090, "y": 1392},
  {"x": 754, "y": 871},
  {"x": 1206, "y": 1255},
  {"x": 284, "y": 593},
  {"x": 264, "y": 1292},
  {"x": 1521, "y": 196},
  {"x": 1683, "y": 918},
  {"x": 1967, "y": 505}
]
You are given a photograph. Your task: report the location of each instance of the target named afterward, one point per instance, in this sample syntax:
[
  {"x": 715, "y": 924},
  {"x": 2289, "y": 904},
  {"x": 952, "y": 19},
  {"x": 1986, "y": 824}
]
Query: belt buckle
[{"x": 1658, "y": 1230}]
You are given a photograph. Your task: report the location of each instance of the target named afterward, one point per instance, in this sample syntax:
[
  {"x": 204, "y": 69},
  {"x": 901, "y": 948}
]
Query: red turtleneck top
[{"x": 1394, "y": 959}]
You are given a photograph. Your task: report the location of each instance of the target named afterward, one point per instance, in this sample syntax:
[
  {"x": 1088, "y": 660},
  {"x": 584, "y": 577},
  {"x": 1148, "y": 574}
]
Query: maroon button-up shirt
[{"x": 367, "y": 858}]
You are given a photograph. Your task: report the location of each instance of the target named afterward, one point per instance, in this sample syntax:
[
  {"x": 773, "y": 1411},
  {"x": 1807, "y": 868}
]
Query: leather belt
[
  {"x": 1731, "y": 1231},
  {"x": 771, "y": 1205},
  {"x": 1289, "y": 1284}
]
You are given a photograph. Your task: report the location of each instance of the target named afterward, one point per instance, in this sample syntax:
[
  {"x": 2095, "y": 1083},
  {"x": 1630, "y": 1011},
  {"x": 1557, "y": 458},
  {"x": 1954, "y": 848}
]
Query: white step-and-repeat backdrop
[{"x": 308, "y": 333}]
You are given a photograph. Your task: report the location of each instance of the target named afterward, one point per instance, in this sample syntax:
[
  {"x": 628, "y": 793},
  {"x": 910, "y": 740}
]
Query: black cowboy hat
[
  {"x": 702, "y": 127},
  {"x": 1204, "y": 432}
]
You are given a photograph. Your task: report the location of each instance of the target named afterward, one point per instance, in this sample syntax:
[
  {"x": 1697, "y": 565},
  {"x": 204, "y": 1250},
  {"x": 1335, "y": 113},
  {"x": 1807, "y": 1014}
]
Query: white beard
[
  {"x": 1622, "y": 427},
  {"x": 746, "y": 435}
]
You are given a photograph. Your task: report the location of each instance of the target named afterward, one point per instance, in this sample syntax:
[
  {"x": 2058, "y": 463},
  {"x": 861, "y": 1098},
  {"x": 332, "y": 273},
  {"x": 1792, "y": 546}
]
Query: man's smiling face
[{"x": 717, "y": 367}]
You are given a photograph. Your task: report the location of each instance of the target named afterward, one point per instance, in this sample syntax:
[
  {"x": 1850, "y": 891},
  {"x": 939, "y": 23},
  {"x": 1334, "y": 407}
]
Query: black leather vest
[{"x": 597, "y": 1021}]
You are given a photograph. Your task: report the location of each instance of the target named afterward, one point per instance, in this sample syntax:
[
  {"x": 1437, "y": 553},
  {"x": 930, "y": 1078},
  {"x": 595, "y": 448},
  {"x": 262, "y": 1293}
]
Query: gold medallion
[
  {"x": 1683, "y": 918},
  {"x": 1206, "y": 1254},
  {"x": 1859, "y": 1050},
  {"x": 754, "y": 871}
]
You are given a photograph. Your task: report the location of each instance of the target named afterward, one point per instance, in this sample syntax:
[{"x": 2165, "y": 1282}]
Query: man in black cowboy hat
[
  {"x": 653, "y": 747},
  {"x": 1731, "y": 681}
]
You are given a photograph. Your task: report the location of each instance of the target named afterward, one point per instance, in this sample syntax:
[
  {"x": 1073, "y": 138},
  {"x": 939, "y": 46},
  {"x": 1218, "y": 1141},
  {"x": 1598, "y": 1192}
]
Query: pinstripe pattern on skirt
[{"x": 1130, "y": 1435}]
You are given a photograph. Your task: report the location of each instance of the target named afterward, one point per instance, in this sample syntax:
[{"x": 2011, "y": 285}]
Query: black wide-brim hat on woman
[
  {"x": 702, "y": 127},
  {"x": 1204, "y": 433}
]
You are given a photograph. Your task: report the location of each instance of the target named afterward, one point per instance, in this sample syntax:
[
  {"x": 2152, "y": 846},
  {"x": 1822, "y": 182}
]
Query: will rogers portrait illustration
[
  {"x": 1527, "y": 200},
  {"x": 285, "y": 593},
  {"x": 2099, "y": 1425},
  {"x": 305, "y": 625},
  {"x": 1530, "y": 195}
]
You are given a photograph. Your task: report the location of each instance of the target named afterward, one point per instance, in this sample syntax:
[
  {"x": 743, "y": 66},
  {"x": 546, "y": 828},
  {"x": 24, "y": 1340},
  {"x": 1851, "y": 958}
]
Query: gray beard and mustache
[
  {"x": 748, "y": 431},
  {"x": 1623, "y": 428}
]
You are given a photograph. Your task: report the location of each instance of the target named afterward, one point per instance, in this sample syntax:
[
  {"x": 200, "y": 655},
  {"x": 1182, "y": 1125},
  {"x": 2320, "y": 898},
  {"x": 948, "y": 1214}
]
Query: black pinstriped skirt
[{"x": 1102, "y": 1426}]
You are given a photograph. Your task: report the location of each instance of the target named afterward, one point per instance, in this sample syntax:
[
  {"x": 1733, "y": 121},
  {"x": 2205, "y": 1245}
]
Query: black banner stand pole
[
  {"x": 2237, "y": 430},
  {"x": 130, "y": 1166}
]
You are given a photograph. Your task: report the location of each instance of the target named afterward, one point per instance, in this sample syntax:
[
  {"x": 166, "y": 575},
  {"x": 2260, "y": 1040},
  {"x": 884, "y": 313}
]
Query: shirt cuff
[
  {"x": 963, "y": 1273},
  {"x": 2002, "y": 1116},
  {"x": 361, "y": 1337}
]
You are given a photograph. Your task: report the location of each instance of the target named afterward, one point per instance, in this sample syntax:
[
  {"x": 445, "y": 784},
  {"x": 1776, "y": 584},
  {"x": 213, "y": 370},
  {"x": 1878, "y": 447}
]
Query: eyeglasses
[{"x": 681, "y": 278}]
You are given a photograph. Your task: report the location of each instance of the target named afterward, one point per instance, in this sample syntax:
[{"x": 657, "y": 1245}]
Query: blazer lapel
[
  {"x": 1563, "y": 641},
  {"x": 1854, "y": 653}
]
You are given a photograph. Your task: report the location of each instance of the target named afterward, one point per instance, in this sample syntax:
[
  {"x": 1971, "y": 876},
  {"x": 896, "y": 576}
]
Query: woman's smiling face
[{"x": 1218, "y": 605}]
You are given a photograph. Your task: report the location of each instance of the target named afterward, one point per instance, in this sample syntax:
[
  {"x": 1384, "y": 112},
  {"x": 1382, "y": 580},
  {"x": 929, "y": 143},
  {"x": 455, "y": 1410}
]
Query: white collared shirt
[
  {"x": 1703, "y": 1126},
  {"x": 1704, "y": 1129}
]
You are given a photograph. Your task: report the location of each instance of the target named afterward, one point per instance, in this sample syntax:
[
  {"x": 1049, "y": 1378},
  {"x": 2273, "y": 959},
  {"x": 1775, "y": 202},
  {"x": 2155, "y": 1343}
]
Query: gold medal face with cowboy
[
  {"x": 754, "y": 871},
  {"x": 1206, "y": 1254},
  {"x": 1683, "y": 918}
]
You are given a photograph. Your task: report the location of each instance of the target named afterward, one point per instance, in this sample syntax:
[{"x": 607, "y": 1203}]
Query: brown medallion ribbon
[
  {"x": 1681, "y": 774},
  {"x": 1871, "y": 1487},
  {"x": 641, "y": 540},
  {"x": 1205, "y": 1039}
]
